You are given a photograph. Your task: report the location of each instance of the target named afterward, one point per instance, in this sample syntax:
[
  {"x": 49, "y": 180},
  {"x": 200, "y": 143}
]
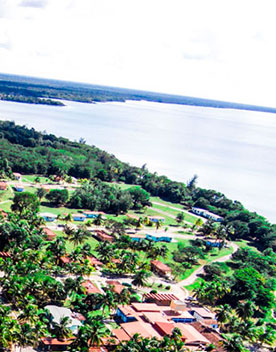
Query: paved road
[{"x": 191, "y": 279}]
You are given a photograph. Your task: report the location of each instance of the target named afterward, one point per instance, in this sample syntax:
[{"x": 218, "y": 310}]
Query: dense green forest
[
  {"x": 28, "y": 151},
  {"x": 42, "y": 91}
]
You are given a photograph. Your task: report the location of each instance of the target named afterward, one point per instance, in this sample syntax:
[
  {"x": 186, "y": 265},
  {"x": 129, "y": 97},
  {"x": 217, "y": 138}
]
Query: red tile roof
[
  {"x": 90, "y": 287},
  {"x": 54, "y": 341},
  {"x": 161, "y": 266},
  {"x": 65, "y": 260},
  {"x": 104, "y": 236},
  {"x": 94, "y": 261},
  {"x": 49, "y": 233},
  {"x": 5, "y": 255},
  {"x": 3, "y": 186},
  {"x": 121, "y": 334},
  {"x": 160, "y": 297},
  {"x": 165, "y": 328}
]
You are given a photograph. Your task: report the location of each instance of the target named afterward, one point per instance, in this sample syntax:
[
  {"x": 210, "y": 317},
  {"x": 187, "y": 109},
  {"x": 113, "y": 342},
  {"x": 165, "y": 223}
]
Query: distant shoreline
[{"x": 46, "y": 92}]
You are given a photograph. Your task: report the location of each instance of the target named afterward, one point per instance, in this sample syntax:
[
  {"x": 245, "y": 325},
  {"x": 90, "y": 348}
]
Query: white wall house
[{"x": 207, "y": 214}]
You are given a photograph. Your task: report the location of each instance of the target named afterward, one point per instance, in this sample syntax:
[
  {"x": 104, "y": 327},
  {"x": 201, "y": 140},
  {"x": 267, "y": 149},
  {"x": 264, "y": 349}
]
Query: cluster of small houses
[{"x": 157, "y": 316}]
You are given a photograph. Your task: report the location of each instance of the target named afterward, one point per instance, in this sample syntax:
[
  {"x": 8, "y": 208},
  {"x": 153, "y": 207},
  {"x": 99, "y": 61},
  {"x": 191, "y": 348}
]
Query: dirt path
[{"x": 191, "y": 279}]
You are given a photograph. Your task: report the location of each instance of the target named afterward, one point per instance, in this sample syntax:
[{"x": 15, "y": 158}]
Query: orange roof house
[
  {"x": 17, "y": 175},
  {"x": 160, "y": 268},
  {"x": 90, "y": 287},
  {"x": 3, "y": 186},
  {"x": 116, "y": 286},
  {"x": 161, "y": 299},
  {"x": 94, "y": 261},
  {"x": 49, "y": 233},
  {"x": 103, "y": 236}
]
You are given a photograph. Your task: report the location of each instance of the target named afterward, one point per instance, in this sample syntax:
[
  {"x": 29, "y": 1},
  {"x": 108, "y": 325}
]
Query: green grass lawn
[
  {"x": 31, "y": 178},
  {"x": 6, "y": 195},
  {"x": 166, "y": 207},
  {"x": 194, "y": 285}
]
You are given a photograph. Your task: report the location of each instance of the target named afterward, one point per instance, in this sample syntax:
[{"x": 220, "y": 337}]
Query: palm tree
[
  {"x": 90, "y": 335},
  {"x": 61, "y": 331},
  {"x": 245, "y": 310},
  {"x": 140, "y": 278},
  {"x": 180, "y": 218},
  {"x": 41, "y": 192},
  {"x": 223, "y": 314},
  {"x": 98, "y": 221},
  {"x": 158, "y": 225},
  {"x": 106, "y": 300},
  {"x": 79, "y": 236},
  {"x": 233, "y": 343}
]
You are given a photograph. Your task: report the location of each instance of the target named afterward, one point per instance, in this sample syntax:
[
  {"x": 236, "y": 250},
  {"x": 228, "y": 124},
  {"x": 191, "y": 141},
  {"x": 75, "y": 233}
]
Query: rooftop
[{"x": 160, "y": 266}]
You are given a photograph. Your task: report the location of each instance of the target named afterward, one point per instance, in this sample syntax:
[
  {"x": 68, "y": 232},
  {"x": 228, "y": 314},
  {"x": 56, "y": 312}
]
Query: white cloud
[{"x": 214, "y": 49}]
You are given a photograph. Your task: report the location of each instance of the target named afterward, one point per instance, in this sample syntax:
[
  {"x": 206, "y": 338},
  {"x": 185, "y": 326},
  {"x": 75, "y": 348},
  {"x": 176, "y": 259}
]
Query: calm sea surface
[{"x": 232, "y": 151}]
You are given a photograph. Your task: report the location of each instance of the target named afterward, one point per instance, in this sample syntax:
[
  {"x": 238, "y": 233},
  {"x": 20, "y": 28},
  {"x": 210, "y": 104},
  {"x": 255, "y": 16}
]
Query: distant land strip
[{"x": 42, "y": 91}]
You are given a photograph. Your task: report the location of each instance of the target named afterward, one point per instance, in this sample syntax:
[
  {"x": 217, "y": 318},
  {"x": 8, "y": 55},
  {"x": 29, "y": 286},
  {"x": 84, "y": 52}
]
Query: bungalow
[
  {"x": 89, "y": 287},
  {"x": 103, "y": 236},
  {"x": 17, "y": 176},
  {"x": 156, "y": 219},
  {"x": 161, "y": 299},
  {"x": 3, "y": 186},
  {"x": 207, "y": 214},
  {"x": 116, "y": 286},
  {"x": 78, "y": 217},
  {"x": 204, "y": 316},
  {"x": 53, "y": 344},
  {"x": 158, "y": 238},
  {"x": 3, "y": 213},
  {"x": 49, "y": 233},
  {"x": 94, "y": 262},
  {"x": 214, "y": 243},
  {"x": 92, "y": 214},
  {"x": 137, "y": 238},
  {"x": 60, "y": 312},
  {"x": 48, "y": 216},
  {"x": 160, "y": 268},
  {"x": 18, "y": 188}
]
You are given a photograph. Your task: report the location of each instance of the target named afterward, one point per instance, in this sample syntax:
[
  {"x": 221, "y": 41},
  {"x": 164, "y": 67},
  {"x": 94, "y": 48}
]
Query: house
[
  {"x": 158, "y": 238},
  {"x": 94, "y": 262},
  {"x": 116, "y": 286},
  {"x": 78, "y": 217},
  {"x": 48, "y": 216},
  {"x": 161, "y": 299},
  {"x": 17, "y": 176},
  {"x": 3, "y": 213},
  {"x": 214, "y": 243},
  {"x": 103, "y": 236},
  {"x": 160, "y": 268},
  {"x": 121, "y": 335},
  {"x": 90, "y": 287},
  {"x": 214, "y": 337},
  {"x": 49, "y": 233},
  {"x": 156, "y": 219},
  {"x": 204, "y": 316},
  {"x": 207, "y": 214},
  {"x": 60, "y": 312},
  {"x": 137, "y": 238},
  {"x": 145, "y": 330},
  {"x": 3, "y": 186},
  {"x": 5, "y": 255},
  {"x": 65, "y": 259},
  {"x": 18, "y": 188},
  {"x": 92, "y": 214},
  {"x": 53, "y": 344}
]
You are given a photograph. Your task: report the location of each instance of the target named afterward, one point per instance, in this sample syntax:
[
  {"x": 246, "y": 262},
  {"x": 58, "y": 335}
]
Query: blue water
[{"x": 233, "y": 151}]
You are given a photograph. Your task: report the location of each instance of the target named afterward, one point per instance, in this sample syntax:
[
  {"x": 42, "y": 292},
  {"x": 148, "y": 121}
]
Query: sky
[{"x": 213, "y": 49}]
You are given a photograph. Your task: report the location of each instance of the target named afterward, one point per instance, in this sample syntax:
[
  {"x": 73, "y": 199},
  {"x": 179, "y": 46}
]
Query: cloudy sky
[{"x": 216, "y": 49}]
